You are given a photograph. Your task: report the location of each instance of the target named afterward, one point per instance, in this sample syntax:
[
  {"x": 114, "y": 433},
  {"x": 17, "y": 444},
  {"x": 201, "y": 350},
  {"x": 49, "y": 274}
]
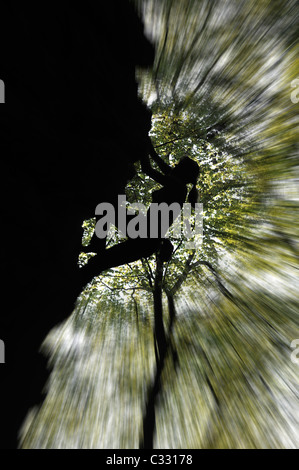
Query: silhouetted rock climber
[{"x": 174, "y": 190}]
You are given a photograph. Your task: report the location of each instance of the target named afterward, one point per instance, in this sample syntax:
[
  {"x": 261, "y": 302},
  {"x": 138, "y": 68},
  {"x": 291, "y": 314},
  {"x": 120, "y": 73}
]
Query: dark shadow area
[{"x": 71, "y": 127}]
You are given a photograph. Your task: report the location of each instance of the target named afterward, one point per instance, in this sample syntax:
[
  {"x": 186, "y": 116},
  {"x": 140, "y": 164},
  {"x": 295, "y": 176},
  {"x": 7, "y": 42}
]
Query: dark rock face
[{"x": 70, "y": 128}]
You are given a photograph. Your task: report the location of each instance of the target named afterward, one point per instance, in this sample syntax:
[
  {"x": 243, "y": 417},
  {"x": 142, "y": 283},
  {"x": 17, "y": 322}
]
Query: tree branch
[
  {"x": 179, "y": 138},
  {"x": 182, "y": 277},
  {"x": 222, "y": 288}
]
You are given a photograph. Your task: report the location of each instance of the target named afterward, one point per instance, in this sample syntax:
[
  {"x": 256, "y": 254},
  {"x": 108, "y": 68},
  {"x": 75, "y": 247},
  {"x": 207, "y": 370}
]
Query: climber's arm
[
  {"x": 157, "y": 159},
  {"x": 151, "y": 172}
]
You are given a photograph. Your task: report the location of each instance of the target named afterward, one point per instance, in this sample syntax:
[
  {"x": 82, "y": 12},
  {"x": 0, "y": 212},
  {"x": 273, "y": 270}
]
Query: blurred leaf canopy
[{"x": 220, "y": 92}]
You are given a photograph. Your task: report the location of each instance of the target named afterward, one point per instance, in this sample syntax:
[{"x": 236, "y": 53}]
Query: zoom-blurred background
[{"x": 223, "y": 91}]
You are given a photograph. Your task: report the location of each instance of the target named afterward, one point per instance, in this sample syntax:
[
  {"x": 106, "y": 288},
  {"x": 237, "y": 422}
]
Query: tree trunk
[
  {"x": 162, "y": 343},
  {"x": 149, "y": 418}
]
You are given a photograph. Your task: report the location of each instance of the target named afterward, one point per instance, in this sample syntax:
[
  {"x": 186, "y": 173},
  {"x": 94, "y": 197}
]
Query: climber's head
[{"x": 187, "y": 170}]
